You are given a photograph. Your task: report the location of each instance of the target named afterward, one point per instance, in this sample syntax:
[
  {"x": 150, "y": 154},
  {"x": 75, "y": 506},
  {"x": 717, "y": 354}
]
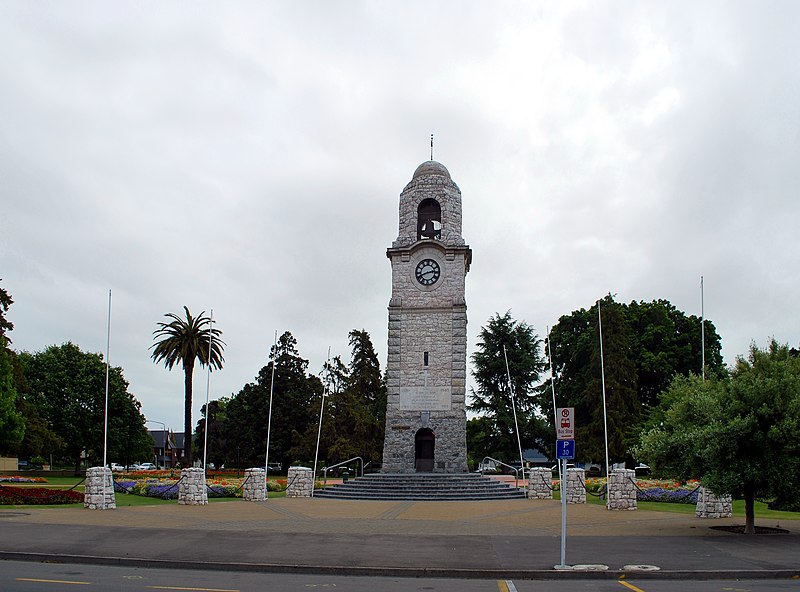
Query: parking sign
[{"x": 565, "y": 426}]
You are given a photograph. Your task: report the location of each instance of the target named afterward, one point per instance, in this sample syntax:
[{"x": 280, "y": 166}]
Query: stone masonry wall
[
  {"x": 576, "y": 493},
  {"x": 540, "y": 484},
  {"x": 299, "y": 482},
  {"x": 192, "y": 487},
  {"x": 621, "y": 490},
  {"x": 427, "y": 319},
  {"x": 255, "y": 485},
  {"x": 99, "y": 489},
  {"x": 711, "y": 505}
]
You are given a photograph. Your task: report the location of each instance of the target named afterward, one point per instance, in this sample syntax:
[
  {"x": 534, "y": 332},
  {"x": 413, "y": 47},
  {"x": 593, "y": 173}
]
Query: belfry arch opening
[
  {"x": 424, "y": 447},
  {"x": 429, "y": 220}
]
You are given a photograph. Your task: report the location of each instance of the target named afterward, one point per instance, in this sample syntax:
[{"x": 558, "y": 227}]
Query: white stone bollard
[
  {"x": 255, "y": 485},
  {"x": 99, "y": 491},
  {"x": 540, "y": 483},
  {"x": 710, "y": 505},
  {"x": 576, "y": 492},
  {"x": 192, "y": 488},
  {"x": 621, "y": 490},
  {"x": 299, "y": 482}
]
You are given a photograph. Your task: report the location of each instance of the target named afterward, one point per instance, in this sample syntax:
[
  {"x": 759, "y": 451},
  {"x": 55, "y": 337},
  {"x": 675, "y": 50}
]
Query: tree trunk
[
  {"x": 749, "y": 511},
  {"x": 188, "y": 370}
]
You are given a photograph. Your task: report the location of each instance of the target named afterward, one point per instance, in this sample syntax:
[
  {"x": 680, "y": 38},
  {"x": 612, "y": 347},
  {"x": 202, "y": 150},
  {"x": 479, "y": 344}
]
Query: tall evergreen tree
[
  {"x": 492, "y": 396},
  {"x": 246, "y": 415}
]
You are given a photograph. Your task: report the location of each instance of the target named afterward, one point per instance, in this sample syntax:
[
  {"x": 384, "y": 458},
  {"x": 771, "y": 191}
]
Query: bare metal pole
[
  {"x": 319, "y": 429},
  {"x": 516, "y": 425},
  {"x": 269, "y": 417},
  {"x": 553, "y": 389},
  {"x": 105, "y": 413},
  {"x": 603, "y": 378},
  {"x": 208, "y": 389}
]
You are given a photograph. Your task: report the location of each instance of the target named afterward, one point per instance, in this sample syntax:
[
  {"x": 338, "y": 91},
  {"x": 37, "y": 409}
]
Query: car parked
[{"x": 147, "y": 467}]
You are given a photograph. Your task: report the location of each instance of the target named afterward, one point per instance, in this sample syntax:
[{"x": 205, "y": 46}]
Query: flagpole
[
  {"x": 208, "y": 388},
  {"x": 269, "y": 417},
  {"x": 319, "y": 430},
  {"x": 702, "y": 329},
  {"x": 553, "y": 389},
  {"x": 105, "y": 413},
  {"x": 603, "y": 378},
  {"x": 516, "y": 425}
]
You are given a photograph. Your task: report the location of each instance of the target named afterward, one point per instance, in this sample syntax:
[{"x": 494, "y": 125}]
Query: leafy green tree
[
  {"x": 186, "y": 340},
  {"x": 247, "y": 412},
  {"x": 645, "y": 345},
  {"x": 740, "y": 435},
  {"x": 492, "y": 396},
  {"x": 12, "y": 422},
  {"x": 5, "y": 303},
  {"x": 67, "y": 387}
]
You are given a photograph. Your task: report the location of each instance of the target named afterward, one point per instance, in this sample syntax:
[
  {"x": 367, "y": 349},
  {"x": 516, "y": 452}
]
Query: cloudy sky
[{"x": 248, "y": 157}]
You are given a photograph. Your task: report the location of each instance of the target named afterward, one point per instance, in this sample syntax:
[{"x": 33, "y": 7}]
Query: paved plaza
[{"x": 517, "y": 538}]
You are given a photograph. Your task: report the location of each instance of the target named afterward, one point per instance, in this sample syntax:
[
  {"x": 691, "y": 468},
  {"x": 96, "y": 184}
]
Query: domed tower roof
[{"x": 431, "y": 167}]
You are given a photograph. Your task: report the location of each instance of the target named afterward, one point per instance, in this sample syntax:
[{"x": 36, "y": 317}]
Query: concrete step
[{"x": 383, "y": 486}]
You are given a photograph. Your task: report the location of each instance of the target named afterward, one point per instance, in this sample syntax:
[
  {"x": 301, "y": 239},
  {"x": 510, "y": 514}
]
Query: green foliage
[
  {"x": 246, "y": 414},
  {"x": 67, "y": 388},
  {"x": 645, "y": 345},
  {"x": 492, "y": 397},
  {"x": 12, "y": 422},
  {"x": 186, "y": 340},
  {"x": 355, "y": 408},
  {"x": 740, "y": 435},
  {"x": 5, "y": 325}
]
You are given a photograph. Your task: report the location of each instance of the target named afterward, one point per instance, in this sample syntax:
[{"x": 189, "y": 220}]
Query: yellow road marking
[
  {"x": 630, "y": 586},
  {"x": 53, "y": 581},
  {"x": 194, "y": 589},
  {"x": 506, "y": 586}
]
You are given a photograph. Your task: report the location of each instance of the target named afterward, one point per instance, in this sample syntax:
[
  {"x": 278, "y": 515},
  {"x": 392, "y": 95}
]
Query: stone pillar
[
  {"x": 192, "y": 488},
  {"x": 255, "y": 485},
  {"x": 621, "y": 490},
  {"x": 99, "y": 491},
  {"x": 711, "y": 505},
  {"x": 576, "y": 493},
  {"x": 299, "y": 482},
  {"x": 540, "y": 483}
]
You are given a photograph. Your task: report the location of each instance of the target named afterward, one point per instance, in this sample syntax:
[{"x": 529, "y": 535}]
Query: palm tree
[{"x": 187, "y": 340}]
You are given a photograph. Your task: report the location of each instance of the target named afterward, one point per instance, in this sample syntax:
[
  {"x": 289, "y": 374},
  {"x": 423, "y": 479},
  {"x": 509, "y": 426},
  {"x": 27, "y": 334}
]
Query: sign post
[{"x": 565, "y": 449}]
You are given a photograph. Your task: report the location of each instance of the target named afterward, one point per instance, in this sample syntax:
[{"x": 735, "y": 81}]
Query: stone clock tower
[{"x": 427, "y": 366}]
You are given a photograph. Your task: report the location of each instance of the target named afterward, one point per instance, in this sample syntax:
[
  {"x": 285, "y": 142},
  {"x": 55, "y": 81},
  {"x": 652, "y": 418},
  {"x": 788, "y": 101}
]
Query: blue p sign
[{"x": 565, "y": 449}]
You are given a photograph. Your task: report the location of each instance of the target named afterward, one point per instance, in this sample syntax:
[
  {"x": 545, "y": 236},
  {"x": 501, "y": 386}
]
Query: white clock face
[{"x": 427, "y": 272}]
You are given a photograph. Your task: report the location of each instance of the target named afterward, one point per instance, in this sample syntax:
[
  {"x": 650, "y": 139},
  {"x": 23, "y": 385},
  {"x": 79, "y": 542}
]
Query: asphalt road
[{"x": 49, "y": 577}]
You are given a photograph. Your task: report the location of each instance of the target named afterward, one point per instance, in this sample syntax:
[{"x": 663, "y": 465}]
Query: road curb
[{"x": 406, "y": 572}]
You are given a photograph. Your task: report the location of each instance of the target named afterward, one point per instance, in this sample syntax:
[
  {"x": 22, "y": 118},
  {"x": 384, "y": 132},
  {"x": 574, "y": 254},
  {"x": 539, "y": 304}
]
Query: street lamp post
[{"x": 166, "y": 435}]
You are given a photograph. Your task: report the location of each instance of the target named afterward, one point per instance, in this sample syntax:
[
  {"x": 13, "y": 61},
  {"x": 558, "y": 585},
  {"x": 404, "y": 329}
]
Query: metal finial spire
[{"x": 431, "y": 146}]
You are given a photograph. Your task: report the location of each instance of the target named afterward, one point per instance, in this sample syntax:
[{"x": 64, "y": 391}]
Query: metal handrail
[
  {"x": 499, "y": 462},
  {"x": 348, "y": 461}
]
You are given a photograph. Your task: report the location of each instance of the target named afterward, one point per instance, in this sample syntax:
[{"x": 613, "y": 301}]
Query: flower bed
[
  {"x": 648, "y": 490},
  {"x": 9, "y": 479},
  {"x": 38, "y": 496},
  {"x": 151, "y": 486}
]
